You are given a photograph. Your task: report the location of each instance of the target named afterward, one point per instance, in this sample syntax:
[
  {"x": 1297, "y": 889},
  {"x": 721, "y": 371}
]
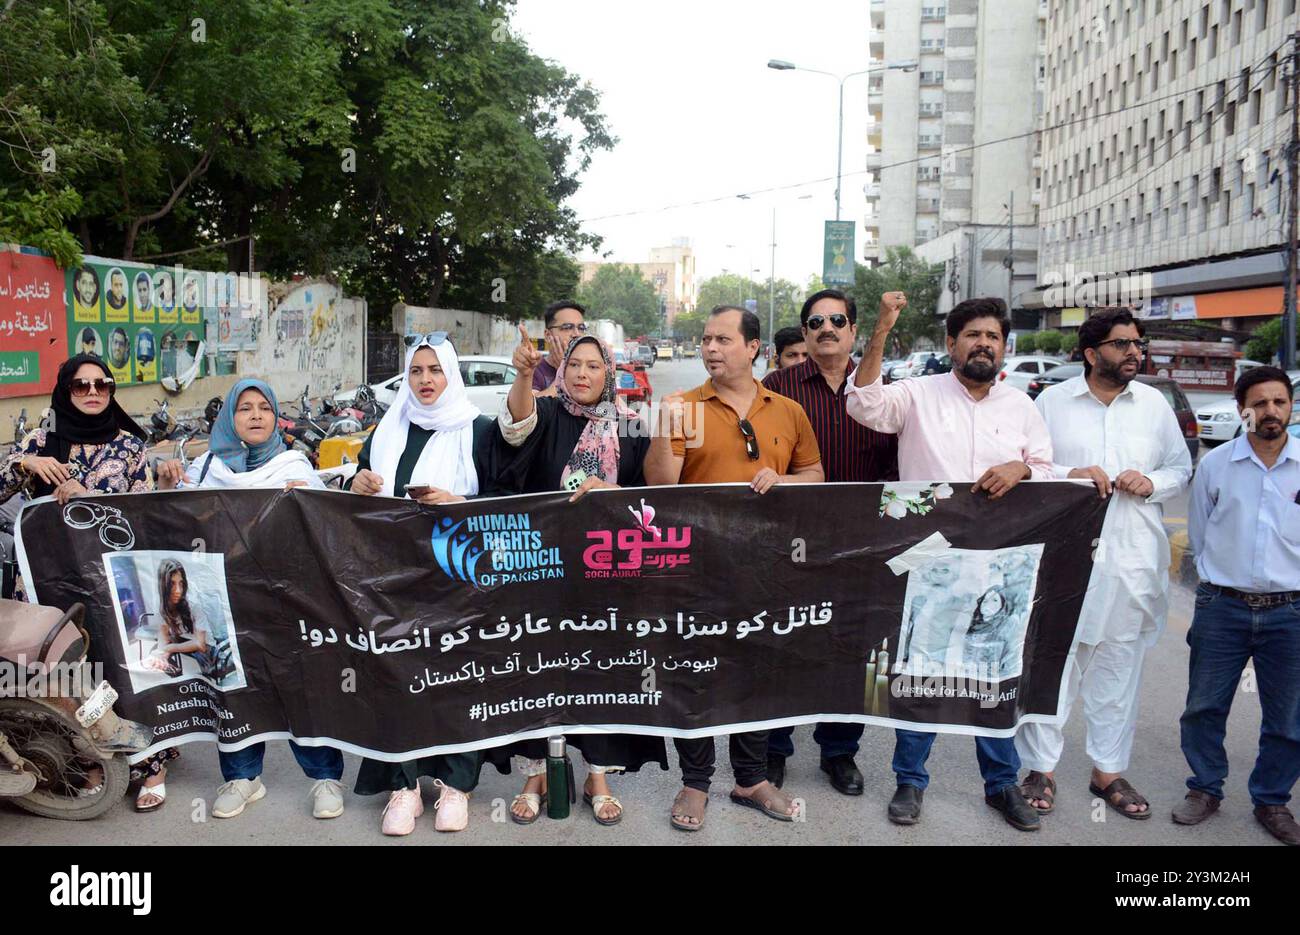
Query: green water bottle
[{"x": 559, "y": 778}]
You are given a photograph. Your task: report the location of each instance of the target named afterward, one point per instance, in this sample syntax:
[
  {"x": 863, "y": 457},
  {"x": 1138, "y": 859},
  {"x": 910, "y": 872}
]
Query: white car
[
  {"x": 913, "y": 365},
  {"x": 1018, "y": 371},
  {"x": 487, "y": 383},
  {"x": 1220, "y": 422}
]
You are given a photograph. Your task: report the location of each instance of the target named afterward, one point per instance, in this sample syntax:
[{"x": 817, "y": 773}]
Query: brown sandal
[
  {"x": 774, "y": 802},
  {"x": 687, "y": 806},
  {"x": 1127, "y": 796},
  {"x": 1039, "y": 786}
]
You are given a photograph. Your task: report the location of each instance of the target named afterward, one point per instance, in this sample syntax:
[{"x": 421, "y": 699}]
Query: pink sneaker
[
  {"x": 452, "y": 808},
  {"x": 404, "y": 806}
]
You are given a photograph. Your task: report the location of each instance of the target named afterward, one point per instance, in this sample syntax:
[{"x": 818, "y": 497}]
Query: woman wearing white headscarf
[{"x": 434, "y": 446}]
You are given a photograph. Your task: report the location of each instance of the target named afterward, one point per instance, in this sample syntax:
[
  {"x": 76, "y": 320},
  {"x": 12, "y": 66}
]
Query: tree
[
  {"x": 731, "y": 289},
  {"x": 1049, "y": 342},
  {"x": 901, "y": 271},
  {"x": 407, "y": 147},
  {"x": 1026, "y": 343},
  {"x": 1069, "y": 342},
  {"x": 1266, "y": 342},
  {"x": 621, "y": 293}
]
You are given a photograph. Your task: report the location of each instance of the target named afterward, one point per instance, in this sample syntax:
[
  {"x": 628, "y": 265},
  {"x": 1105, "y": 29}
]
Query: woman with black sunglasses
[{"x": 92, "y": 447}]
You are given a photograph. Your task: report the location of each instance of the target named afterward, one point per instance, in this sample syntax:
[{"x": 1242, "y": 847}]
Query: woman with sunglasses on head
[
  {"x": 246, "y": 450},
  {"x": 434, "y": 446},
  {"x": 93, "y": 447},
  {"x": 578, "y": 440}
]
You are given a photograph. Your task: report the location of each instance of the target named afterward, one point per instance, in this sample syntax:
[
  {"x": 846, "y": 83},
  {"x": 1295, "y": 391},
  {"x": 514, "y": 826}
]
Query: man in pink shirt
[{"x": 958, "y": 426}]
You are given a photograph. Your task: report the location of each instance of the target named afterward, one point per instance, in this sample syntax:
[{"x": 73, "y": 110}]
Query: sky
[{"x": 699, "y": 116}]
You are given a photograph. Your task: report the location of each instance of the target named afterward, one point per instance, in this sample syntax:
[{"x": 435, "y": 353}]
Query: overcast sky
[{"x": 686, "y": 89}]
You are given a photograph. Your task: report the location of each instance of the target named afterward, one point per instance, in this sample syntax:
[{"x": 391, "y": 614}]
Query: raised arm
[
  {"x": 526, "y": 359},
  {"x": 870, "y": 402}
]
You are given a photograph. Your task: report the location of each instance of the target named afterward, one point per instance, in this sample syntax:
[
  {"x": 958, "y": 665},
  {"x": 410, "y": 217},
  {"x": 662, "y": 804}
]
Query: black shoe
[
  {"x": 905, "y": 807},
  {"x": 776, "y": 769},
  {"x": 1014, "y": 808},
  {"x": 844, "y": 774}
]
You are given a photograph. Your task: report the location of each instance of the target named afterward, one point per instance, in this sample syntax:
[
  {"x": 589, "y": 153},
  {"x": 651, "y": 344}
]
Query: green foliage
[
  {"x": 1049, "y": 342},
  {"x": 731, "y": 289},
  {"x": 1027, "y": 343},
  {"x": 408, "y": 147},
  {"x": 1266, "y": 341},
  {"x": 902, "y": 270},
  {"x": 624, "y": 295},
  {"x": 37, "y": 219},
  {"x": 1069, "y": 342}
]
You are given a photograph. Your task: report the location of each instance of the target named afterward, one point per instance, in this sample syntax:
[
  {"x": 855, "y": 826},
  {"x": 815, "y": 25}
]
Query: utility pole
[
  {"x": 771, "y": 288},
  {"x": 1293, "y": 154},
  {"x": 1011, "y": 247}
]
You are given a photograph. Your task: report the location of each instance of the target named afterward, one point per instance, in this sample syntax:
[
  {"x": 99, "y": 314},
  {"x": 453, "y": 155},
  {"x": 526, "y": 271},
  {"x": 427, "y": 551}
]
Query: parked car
[
  {"x": 911, "y": 366},
  {"x": 1220, "y": 422},
  {"x": 487, "y": 382},
  {"x": 645, "y": 355},
  {"x": 1017, "y": 371},
  {"x": 691, "y": 350},
  {"x": 664, "y": 351},
  {"x": 1052, "y": 377}
]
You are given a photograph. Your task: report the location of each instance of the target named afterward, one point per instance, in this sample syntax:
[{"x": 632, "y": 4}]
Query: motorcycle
[
  {"x": 62, "y": 754},
  {"x": 307, "y": 431}
]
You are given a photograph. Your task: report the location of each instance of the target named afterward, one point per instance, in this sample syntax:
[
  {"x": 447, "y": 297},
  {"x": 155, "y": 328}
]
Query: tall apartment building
[
  {"x": 671, "y": 271},
  {"x": 952, "y": 145},
  {"x": 1164, "y": 154}
]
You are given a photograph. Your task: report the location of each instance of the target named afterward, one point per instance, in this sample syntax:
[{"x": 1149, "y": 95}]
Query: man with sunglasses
[
  {"x": 957, "y": 426},
  {"x": 747, "y": 434},
  {"x": 850, "y": 452},
  {"x": 1122, "y": 435},
  {"x": 565, "y": 323}
]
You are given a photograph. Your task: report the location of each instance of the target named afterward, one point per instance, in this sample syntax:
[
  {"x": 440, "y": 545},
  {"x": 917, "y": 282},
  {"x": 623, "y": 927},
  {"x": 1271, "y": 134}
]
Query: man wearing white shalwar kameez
[{"x": 1123, "y": 435}]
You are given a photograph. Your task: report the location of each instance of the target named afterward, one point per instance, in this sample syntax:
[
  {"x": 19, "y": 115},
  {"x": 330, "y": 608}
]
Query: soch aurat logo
[
  {"x": 642, "y": 550},
  {"x": 494, "y": 549}
]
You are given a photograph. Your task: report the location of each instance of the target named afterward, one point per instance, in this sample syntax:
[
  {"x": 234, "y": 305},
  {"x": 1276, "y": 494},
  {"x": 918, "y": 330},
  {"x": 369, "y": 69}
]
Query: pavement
[{"x": 954, "y": 811}]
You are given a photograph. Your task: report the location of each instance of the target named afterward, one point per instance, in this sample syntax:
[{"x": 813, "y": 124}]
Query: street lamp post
[{"x": 906, "y": 65}]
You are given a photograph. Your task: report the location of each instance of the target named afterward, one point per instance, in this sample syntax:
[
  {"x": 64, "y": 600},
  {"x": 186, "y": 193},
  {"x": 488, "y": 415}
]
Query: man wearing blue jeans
[
  {"x": 1244, "y": 526},
  {"x": 241, "y": 771}
]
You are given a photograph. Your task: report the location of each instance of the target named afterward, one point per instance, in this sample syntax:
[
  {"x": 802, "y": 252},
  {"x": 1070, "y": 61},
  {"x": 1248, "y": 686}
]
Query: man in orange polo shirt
[{"x": 748, "y": 434}]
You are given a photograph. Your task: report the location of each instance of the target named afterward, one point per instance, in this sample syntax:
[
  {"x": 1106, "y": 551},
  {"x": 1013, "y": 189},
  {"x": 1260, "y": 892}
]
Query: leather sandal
[
  {"x": 1039, "y": 786},
  {"x": 534, "y": 801},
  {"x": 771, "y": 804},
  {"x": 686, "y": 806},
  {"x": 1127, "y": 796},
  {"x": 159, "y": 792},
  {"x": 597, "y": 802}
]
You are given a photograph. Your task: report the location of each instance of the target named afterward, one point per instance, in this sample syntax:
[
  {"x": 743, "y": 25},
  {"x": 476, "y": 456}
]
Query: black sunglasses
[
  {"x": 751, "y": 440},
  {"x": 432, "y": 339},
  {"x": 82, "y": 387},
  {"x": 815, "y": 322},
  {"x": 1122, "y": 344}
]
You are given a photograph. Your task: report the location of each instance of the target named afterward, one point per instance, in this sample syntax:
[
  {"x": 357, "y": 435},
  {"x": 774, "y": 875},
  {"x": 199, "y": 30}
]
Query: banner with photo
[
  {"x": 395, "y": 630},
  {"x": 147, "y": 322}
]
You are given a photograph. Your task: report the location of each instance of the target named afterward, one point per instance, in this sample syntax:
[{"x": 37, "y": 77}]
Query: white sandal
[
  {"x": 159, "y": 791},
  {"x": 597, "y": 802},
  {"x": 534, "y": 802}
]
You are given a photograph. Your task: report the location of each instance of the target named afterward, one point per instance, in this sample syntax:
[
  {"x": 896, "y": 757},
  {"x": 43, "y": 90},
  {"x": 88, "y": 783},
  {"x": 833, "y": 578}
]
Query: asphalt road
[{"x": 954, "y": 812}]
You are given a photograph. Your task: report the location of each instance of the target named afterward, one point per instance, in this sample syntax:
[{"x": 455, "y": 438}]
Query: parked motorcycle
[{"x": 62, "y": 754}]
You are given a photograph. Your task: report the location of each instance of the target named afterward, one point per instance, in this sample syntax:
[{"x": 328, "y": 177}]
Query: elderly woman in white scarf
[
  {"x": 248, "y": 451},
  {"x": 435, "y": 446}
]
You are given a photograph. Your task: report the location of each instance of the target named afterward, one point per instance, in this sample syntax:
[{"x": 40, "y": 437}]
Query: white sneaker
[
  {"x": 326, "y": 798},
  {"x": 404, "y": 806},
  {"x": 452, "y": 808},
  {"x": 233, "y": 796}
]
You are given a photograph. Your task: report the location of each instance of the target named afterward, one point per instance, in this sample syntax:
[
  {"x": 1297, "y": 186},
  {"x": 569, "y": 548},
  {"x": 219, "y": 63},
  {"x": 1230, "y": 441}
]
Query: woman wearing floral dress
[{"x": 94, "y": 447}]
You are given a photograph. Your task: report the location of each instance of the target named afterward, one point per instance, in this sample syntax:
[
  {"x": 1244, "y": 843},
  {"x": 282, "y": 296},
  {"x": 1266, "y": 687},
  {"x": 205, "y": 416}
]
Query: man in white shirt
[
  {"x": 958, "y": 426},
  {"x": 1121, "y": 434}
]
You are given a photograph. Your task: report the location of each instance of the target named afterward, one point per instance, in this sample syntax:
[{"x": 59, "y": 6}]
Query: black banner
[{"x": 393, "y": 630}]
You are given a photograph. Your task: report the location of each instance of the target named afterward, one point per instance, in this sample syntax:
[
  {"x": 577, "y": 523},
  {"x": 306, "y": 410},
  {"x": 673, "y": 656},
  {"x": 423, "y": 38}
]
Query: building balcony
[
  {"x": 1042, "y": 9},
  {"x": 927, "y": 142},
  {"x": 871, "y": 189},
  {"x": 927, "y": 206},
  {"x": 873, "y": 160}
]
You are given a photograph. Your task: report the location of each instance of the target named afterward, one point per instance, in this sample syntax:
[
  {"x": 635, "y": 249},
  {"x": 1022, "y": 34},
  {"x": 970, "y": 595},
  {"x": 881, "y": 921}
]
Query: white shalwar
[{"x": 1127, "y": 602}]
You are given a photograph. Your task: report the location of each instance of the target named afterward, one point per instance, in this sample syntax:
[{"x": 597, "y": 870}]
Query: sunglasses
[
  {"x": 751, "y": 440},
  {"x": 102, "y": 386},
  {"x": 815, "y": 322},
  {"x": 579, "y": 327},
  {"x": 1122, "y": 344},
  {"x": 433, "y": 339}
]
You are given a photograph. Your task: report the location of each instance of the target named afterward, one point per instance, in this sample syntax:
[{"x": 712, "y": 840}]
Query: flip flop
[
  {"x": 682, "y": 809},
  {"x": 765, "y": 808}
]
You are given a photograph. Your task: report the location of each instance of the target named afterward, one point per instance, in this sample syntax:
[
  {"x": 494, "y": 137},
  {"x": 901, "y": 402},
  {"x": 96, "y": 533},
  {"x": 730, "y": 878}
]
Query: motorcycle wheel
[{"x": 55, "y": 744}]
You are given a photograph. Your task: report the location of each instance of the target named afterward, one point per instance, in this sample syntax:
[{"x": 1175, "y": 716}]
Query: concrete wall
[
  {"x": 471, "y": 332},
  {"x": 308, "y": 334}
]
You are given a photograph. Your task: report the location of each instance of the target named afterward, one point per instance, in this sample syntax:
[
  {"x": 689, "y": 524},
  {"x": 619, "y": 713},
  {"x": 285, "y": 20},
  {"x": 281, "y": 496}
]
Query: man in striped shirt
[{"x": 850, "y": 452}]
